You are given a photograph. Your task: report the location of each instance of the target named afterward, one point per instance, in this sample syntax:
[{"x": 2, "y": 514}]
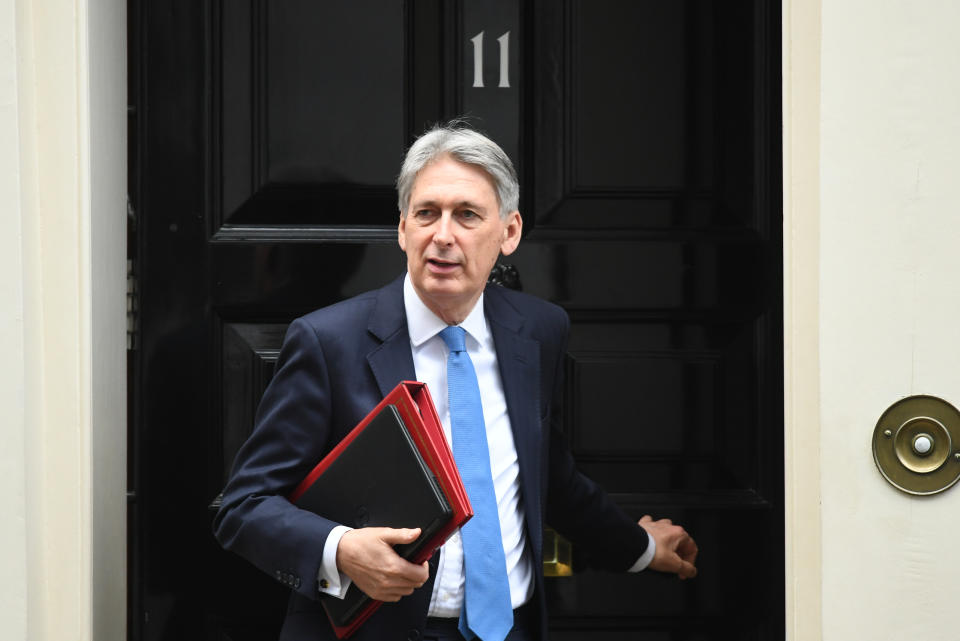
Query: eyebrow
[{"x": 463, "y": 204}]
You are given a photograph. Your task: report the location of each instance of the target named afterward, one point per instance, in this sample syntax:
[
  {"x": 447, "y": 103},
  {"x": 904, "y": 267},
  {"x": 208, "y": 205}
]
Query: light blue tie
[{"x": 486, "y": 611}]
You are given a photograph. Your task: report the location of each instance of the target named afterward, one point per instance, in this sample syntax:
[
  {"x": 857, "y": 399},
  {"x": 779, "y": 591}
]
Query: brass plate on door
[
  {"x": 557, "y": 554},
  {"x": 916, "y": 445}
]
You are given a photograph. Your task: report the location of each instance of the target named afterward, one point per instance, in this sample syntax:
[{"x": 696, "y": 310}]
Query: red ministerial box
[{"x": 415, "y": 406}]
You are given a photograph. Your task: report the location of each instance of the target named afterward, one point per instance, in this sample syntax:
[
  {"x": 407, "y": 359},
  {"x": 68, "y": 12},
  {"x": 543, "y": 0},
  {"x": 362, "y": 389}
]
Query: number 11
[{"x": 504, "y": 41}]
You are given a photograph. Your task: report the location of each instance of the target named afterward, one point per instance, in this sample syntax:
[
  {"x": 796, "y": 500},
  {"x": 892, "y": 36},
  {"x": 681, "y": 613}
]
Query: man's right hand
[{"x": 366, "y": 555}]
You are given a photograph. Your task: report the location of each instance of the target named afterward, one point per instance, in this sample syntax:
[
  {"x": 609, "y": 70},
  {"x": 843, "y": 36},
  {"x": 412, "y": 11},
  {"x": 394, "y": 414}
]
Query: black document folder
[{"x": 378, "y": 480}]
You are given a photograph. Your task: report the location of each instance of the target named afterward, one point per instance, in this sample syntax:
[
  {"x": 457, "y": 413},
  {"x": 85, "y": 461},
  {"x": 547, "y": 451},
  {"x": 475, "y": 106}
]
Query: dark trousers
[
  {"x": 454, "y": 635},
  {"x": 524, "y": 627}
]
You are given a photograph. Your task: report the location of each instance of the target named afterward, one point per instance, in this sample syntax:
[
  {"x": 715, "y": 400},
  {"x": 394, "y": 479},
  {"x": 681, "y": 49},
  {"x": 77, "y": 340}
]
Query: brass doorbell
[{"x": 916, "y": 445}]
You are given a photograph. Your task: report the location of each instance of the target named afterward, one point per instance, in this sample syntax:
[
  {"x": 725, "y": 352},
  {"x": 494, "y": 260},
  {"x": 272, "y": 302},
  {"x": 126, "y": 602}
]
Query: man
[{"x": 492, "y": 359}]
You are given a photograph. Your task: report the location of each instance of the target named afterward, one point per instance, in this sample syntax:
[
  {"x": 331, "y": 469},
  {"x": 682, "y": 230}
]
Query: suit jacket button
[
  {"x": 414, "y": 635},
  {"x": 296, "y": 583}
]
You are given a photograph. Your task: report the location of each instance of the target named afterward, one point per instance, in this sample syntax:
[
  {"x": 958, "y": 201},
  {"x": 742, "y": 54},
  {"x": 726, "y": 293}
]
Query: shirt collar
[{"x": 423, "y": 324}]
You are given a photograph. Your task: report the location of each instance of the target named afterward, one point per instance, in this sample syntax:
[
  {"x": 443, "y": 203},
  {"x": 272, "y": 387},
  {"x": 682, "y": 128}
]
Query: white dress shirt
[{"x": 430, "y": 362}]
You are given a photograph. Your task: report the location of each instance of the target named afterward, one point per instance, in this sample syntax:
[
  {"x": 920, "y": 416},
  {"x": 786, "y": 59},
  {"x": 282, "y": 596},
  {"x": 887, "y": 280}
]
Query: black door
[{"x": 265, "y": 137}]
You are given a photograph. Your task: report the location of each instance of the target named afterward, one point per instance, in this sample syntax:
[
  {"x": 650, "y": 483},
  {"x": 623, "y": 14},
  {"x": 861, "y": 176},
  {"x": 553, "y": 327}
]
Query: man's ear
[
  {"x": 512, "y": 229},
  {"x": 401, "y": 232}
]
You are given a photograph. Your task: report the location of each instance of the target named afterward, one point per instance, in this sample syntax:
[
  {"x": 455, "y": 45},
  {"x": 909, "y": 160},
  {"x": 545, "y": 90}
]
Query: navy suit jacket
[{"x": 335, "y": 365}]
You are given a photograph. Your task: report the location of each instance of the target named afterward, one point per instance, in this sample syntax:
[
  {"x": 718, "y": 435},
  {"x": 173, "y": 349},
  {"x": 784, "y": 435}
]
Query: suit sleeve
[
  {"x": 576, "y": 506},
  {"x": 290, "y": 435}
]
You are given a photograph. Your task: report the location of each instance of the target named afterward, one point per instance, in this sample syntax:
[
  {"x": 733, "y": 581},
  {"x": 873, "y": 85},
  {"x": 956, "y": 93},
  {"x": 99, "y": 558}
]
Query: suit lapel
[
  {"x": 392, "y": 360},
  {"x": 518, "y": 358}
]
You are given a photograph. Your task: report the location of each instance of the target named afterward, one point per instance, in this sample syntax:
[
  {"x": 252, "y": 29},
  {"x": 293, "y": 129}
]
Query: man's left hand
[{"x": 676, "y": 550}]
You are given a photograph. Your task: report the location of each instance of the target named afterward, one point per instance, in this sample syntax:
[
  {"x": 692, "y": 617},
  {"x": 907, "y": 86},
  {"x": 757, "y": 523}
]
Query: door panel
[
  {"x": 279, "y": 74},
  {"x": 266, "y": 140}
]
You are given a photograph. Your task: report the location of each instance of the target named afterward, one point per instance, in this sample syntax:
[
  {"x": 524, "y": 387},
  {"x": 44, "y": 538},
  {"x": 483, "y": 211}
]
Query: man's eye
[
  {"x": 468, "y": 214},
  {"x": 423, "y": 213}
]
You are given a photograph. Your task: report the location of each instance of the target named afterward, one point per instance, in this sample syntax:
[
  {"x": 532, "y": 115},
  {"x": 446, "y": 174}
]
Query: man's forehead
[
  {"x": 447, "y": 158},
  {"x": 431, "y": 178}
]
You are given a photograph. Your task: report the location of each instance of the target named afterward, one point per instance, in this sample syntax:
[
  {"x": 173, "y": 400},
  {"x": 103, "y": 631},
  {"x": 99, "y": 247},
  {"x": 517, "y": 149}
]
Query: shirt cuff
[
  {"x": 645, "y": 558},
  {"x": 329, "y": 579}
]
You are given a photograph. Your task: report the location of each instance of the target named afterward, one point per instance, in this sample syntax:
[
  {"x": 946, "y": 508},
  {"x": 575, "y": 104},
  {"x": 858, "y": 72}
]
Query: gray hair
[{"x": 467, "y": 146}]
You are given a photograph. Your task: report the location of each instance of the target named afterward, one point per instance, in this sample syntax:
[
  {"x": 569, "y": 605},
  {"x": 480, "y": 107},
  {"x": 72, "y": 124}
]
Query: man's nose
[{"x": 443, "y": 235}]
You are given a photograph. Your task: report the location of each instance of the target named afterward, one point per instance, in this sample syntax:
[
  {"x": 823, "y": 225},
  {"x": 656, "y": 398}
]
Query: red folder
[{"x": 415, "y": 406}]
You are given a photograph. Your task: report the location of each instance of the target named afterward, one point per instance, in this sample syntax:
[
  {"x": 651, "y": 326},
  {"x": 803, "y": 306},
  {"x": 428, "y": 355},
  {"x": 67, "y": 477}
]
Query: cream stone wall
[
  {"x": 62, "y": 320},
  {"x": 881, "y": 125},
  {"x": 890, "y": 306},
  {"x": 13, "y": 532}
]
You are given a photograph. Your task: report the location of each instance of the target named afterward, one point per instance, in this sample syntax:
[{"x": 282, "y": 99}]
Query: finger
[
  {"x": 404, "y": 583},
  {"x": 690, "y": 557},
  {"x": 681, "y": 566},
  {"x": 388, "y": 587},
  {"x": 395, "y": 594},
  {"x": 388, "y": 597},
  {"x": 419, "y": 574},
  {"x": 686, "y": 547},
  {"x": 646, "y": 518},
  {"x": 687, "y": 570},
  {"x": 401, "y": 535},
  {"x": 400, "y": 572}
]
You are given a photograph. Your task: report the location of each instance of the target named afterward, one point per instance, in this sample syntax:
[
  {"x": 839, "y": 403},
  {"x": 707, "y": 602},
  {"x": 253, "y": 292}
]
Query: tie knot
[{"x": 453, "y": 337}]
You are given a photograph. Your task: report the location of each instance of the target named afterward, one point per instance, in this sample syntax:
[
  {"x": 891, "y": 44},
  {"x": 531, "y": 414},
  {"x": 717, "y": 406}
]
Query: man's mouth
[{"x": 441, "y": 265}]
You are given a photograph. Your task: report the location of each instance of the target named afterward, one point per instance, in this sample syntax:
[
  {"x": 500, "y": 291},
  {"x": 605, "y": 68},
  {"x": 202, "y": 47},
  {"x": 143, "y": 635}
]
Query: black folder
[{"x": 379, "y": 480}]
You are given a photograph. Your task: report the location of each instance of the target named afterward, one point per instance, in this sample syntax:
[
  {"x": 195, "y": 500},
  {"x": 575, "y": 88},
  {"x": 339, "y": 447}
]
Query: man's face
[{"x": 452, "y": 234}]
